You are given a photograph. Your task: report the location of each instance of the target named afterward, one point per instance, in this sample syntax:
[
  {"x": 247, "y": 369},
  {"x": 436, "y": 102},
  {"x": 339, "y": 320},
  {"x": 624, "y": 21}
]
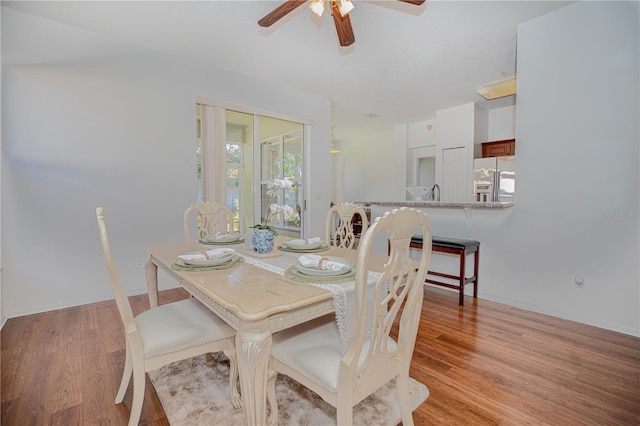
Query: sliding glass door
[
  {"x": 239, "y": 152},
  {"x": 281, "y": 158}
]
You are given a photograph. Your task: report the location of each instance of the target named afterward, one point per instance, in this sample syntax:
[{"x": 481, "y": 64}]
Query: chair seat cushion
[
  {"x": 314, "y": 350},
  {"x": 179, "y": 325}
]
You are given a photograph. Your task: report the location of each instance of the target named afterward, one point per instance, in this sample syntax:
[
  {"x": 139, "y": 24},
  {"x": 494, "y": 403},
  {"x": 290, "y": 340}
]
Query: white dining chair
[
  {"x": 312, "y": 353},
  {"x": 339, "y": 230},
  {"x": 211, "y": 217},
  {"x": 165, "y": 334}
]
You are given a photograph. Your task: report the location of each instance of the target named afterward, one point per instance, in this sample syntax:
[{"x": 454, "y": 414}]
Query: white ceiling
[{"x": 407, "y": 62}]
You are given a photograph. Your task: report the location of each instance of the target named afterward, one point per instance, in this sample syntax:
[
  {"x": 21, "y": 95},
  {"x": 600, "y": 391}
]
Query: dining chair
[
  {"x": 312, "y": 353},
  {"x": 165, "y": 334},
  {"x": 212, "y": 217},
  {"x": 339, "y": 229}
]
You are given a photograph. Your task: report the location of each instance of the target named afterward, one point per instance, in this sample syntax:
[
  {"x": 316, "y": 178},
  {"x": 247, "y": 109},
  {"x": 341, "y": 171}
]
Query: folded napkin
[
  {"x": 208, "y": 254},
  {"x": 304, "y": 241},
  {"x": 223, "y": 236},
  {"x": 320, "y": 262}
]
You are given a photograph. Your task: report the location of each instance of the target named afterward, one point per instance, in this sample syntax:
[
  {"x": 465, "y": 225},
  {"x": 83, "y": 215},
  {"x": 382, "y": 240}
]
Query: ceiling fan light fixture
[
  {"x": 339, "y": 10},
  {"x": 317, "y": 7},
  {"x": 344, "y": 6},
  {"x": 498, "y": 90}
]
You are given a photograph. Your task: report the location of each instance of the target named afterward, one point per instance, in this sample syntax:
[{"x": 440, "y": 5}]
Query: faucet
[{"x": 435, "y": 197}]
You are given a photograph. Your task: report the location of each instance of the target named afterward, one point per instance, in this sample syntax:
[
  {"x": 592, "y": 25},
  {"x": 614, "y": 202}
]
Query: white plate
[
  {"x": 302, "y": 246},
  {"x": 211, "y": 262},
  {"x": 327, "y": 273},
  {"x": 226, "y": 238}
]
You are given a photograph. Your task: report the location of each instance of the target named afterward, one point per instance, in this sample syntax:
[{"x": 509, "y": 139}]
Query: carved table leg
[
  {"x": 151, "y": 273},
  {"x": 272, "y": 398},
  {"x": 234, "y": 393},
  {"x": 253, "y": 349}
]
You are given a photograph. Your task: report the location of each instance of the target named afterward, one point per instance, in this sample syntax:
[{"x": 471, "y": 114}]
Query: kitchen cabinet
[{"x": 499, "y": 148}]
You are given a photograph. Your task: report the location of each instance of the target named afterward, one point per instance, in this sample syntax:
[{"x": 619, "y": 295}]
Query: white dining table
[{"x": 252, "y": 297}]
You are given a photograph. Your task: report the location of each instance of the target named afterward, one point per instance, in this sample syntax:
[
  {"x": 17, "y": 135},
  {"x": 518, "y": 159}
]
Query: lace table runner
[{"x": 343, "y": 291}]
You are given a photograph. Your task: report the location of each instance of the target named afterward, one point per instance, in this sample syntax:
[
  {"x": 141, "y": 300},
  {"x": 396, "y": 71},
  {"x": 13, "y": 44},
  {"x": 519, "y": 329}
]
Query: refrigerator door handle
[{"x": 496, "y": 184}]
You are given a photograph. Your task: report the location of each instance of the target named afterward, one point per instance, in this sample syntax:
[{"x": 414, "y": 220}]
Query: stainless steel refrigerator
[{"x": 494, "y": 179}]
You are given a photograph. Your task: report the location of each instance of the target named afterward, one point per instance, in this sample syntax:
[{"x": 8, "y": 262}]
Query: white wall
[
  {"x": 83, "y": 128},
  {"x": 577, "y": 164},
  {"x": 502, "y": 124},
  {"x": 367, "y": 168},
  {"x": 578, "y": 187},
  {"x": 480, "y": 135},
  {"x": 421, "y": 134}
]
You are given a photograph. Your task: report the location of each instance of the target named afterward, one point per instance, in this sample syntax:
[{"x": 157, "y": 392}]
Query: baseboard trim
[{"x": 72, "y": 304}]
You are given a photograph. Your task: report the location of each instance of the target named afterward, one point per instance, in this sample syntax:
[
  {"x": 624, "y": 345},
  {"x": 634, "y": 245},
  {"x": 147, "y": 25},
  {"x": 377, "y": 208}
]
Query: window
[{"x": 257, "y": 149}]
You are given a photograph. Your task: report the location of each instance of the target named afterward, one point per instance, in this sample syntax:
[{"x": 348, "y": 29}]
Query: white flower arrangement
[{"x": 273, "y": 208}]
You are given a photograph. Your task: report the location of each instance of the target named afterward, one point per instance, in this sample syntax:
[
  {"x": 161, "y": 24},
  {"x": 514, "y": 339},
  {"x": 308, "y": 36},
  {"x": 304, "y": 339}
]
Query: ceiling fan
[{"x": 339, "y": 10}]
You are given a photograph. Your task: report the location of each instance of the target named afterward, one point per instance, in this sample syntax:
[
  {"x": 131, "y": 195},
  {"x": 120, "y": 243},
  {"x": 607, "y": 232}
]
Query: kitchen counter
[
  {"x": 438, "y": 204},
  {"x": 469, "y": 221}
]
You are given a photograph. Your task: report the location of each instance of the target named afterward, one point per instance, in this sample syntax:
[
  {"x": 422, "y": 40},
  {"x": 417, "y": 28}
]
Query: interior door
[{"x": 454, "y": 175}]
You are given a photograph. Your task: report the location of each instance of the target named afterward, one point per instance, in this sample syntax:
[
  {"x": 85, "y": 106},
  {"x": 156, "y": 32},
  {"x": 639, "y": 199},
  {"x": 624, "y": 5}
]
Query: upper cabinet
[{"x": 499, "y": 148}]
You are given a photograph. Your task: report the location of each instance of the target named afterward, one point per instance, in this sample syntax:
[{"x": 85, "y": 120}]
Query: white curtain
[{"x": 214, "y": 154}]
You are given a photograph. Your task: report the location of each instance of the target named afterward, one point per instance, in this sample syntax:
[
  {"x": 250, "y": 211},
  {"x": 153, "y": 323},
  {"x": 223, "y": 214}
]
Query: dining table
[{"x": 257, "y": 295}]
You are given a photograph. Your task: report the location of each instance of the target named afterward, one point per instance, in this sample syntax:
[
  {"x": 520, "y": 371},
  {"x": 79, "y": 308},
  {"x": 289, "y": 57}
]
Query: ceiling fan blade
[
  {"x": 343, "y": 27},
  {"x": 280, "y": 12},
  {"x": 416, "y": 2}
]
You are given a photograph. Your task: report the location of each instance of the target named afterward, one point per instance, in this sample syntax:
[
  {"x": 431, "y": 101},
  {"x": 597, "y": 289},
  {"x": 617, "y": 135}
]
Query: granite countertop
[{"x": 439, "y": 204}]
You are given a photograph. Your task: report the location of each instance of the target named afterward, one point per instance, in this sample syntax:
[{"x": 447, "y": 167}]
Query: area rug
[{"x": 194, "y": 392}]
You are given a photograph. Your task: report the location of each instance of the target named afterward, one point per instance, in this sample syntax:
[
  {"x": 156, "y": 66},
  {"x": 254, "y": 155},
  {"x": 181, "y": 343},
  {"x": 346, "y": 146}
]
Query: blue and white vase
[{"x": 263, "y": 241}]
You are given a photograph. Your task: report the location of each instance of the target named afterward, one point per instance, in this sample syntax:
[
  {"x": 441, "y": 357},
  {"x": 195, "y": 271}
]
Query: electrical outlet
[
  {"x": 579, "y": 279},
  {"x": 140, "y": 262}
]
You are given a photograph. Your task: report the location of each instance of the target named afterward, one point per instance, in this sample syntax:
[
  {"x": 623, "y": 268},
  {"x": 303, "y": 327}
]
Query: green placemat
[
  {"x": 179, "y": 266},
  {"x": 293, "y": 274},
  {"x": 221, "y": 243},
  {"x": 322, "y": 248}
]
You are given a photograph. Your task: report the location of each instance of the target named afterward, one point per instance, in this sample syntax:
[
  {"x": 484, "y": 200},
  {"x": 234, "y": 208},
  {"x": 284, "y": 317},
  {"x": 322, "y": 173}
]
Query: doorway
[{"x": 426, "y": 171}]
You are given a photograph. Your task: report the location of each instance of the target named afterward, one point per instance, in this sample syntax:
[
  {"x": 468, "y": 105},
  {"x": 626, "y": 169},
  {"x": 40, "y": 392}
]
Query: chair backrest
[
  {"x": 339, "y": 227},
  {"x": 212, "y": 217},
  {"x": 118, "y": 291},
  {"x": 398, "y": 291}
]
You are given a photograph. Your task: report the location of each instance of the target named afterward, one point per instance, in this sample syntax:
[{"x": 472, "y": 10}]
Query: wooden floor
[{"x": 484, "y": 364}]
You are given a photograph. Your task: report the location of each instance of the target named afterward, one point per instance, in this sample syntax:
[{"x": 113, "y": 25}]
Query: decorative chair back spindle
[
  {"x": 212, "y": 218},
  {"x": 339, "y": 229}
]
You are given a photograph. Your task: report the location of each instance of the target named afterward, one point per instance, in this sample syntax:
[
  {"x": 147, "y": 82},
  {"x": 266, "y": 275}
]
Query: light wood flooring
[{"x": 484, "y": 364}]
